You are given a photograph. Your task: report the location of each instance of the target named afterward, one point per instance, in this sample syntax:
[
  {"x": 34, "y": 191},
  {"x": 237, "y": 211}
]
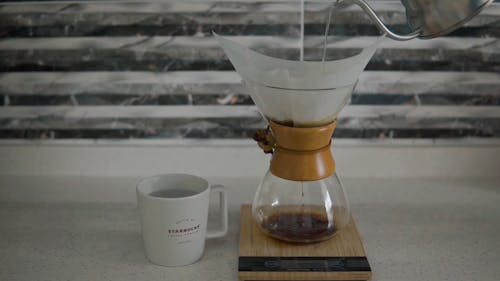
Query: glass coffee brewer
[{"x": 301, "y": 198}]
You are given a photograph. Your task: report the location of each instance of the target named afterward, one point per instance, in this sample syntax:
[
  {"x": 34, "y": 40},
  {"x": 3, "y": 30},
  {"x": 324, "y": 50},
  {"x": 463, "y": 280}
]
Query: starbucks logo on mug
[{"x": 183, "y": 231}]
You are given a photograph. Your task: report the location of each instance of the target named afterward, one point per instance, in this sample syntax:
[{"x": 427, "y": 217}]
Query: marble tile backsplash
[{"x": 151, "y": 69}]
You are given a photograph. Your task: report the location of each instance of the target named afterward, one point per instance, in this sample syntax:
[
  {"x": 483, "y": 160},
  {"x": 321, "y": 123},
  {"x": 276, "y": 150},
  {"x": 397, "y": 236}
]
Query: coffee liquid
[
  {"x": 173, "y": 193},
  {"x": 312, "y": 124},
  {"x": 299, "y": 227}
]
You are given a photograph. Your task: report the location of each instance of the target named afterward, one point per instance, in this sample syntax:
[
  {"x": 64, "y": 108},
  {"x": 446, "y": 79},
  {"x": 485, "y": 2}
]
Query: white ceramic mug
[{"x": 174, "y": 211}]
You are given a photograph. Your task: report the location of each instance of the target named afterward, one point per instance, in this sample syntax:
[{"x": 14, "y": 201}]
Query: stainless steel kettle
[{"x": 427, "y": 18}]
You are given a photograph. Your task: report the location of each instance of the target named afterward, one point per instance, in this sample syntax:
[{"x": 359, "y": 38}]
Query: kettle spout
[
  {"x": 427, "y": 18},
  {"x": 377, "y": 21}
]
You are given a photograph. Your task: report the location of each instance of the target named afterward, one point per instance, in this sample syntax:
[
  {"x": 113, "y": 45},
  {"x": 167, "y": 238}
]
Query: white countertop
[{"x": 84, "y": 228}]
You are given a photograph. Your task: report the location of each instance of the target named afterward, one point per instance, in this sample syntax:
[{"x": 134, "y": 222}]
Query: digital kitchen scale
[{"x": 264, "y": 258}]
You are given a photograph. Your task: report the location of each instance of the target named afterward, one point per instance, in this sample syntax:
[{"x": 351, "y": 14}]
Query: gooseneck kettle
[{"x": 427, "y": 19}]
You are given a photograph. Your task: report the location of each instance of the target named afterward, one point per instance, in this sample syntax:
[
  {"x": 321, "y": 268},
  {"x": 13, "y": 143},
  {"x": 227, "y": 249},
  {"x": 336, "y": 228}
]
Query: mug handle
[{"x": 223, "y": 211}]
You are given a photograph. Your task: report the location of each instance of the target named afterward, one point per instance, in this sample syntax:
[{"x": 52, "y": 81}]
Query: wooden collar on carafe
[{"x": 302, "y": 154}]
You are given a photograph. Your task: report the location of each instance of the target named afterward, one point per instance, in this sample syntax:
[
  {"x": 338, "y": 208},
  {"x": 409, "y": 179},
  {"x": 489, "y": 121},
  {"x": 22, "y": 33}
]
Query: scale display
[{"x": 304, "y": 264}]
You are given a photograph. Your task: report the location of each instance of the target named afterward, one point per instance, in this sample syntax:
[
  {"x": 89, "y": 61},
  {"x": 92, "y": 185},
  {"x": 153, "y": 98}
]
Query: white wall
[{"x": 355, "y": 158}]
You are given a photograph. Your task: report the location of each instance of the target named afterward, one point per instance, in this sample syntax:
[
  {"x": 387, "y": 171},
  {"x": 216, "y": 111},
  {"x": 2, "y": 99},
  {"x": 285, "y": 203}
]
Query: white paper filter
[{"x": 301, "y": 93}]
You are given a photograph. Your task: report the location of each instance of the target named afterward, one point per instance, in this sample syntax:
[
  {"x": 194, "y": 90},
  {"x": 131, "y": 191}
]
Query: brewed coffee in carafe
[{"x": 301, "y": 198}]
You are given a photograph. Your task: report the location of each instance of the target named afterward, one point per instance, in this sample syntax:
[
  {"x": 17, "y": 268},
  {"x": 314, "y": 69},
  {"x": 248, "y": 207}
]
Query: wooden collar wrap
[{"x": 302, "y": 154}]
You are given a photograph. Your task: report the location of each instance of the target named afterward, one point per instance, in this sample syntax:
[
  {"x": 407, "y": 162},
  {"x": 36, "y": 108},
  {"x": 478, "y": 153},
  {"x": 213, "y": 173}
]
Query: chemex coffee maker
[
  {"x": 301, "y": 199},
  {"x": 299, "y": 226}
]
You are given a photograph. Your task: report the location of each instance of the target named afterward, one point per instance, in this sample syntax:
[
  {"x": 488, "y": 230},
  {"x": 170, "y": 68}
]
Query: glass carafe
[
  {"x": 300, "y": 211},
  {"x": 300, "y": 199}
]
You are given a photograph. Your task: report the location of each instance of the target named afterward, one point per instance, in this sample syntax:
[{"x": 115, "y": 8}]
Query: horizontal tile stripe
[
  {"x": 229, "y": 82},
  {"x": 358, "y": 111}
]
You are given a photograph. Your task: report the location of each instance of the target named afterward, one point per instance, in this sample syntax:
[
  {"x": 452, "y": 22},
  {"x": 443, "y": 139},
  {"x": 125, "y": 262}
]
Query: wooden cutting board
[{"x": 264, "y": 258}]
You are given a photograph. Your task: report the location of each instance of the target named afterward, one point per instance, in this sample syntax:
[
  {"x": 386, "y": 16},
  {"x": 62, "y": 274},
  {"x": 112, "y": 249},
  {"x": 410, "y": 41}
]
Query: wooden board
[{"x": 264, "y": 258}]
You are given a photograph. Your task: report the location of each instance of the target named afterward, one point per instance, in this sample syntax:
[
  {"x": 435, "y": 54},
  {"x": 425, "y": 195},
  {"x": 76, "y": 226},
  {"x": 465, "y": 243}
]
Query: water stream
[
  {"x": 331, "y": 17},
  {"x": 333, "y": 10},
  {"x": 302, "y": 11}
]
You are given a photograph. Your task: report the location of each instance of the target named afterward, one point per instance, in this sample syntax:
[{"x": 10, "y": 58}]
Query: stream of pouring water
[
  {"x": 302, "y": 30},
  {"x": 333, "y": 10}
]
